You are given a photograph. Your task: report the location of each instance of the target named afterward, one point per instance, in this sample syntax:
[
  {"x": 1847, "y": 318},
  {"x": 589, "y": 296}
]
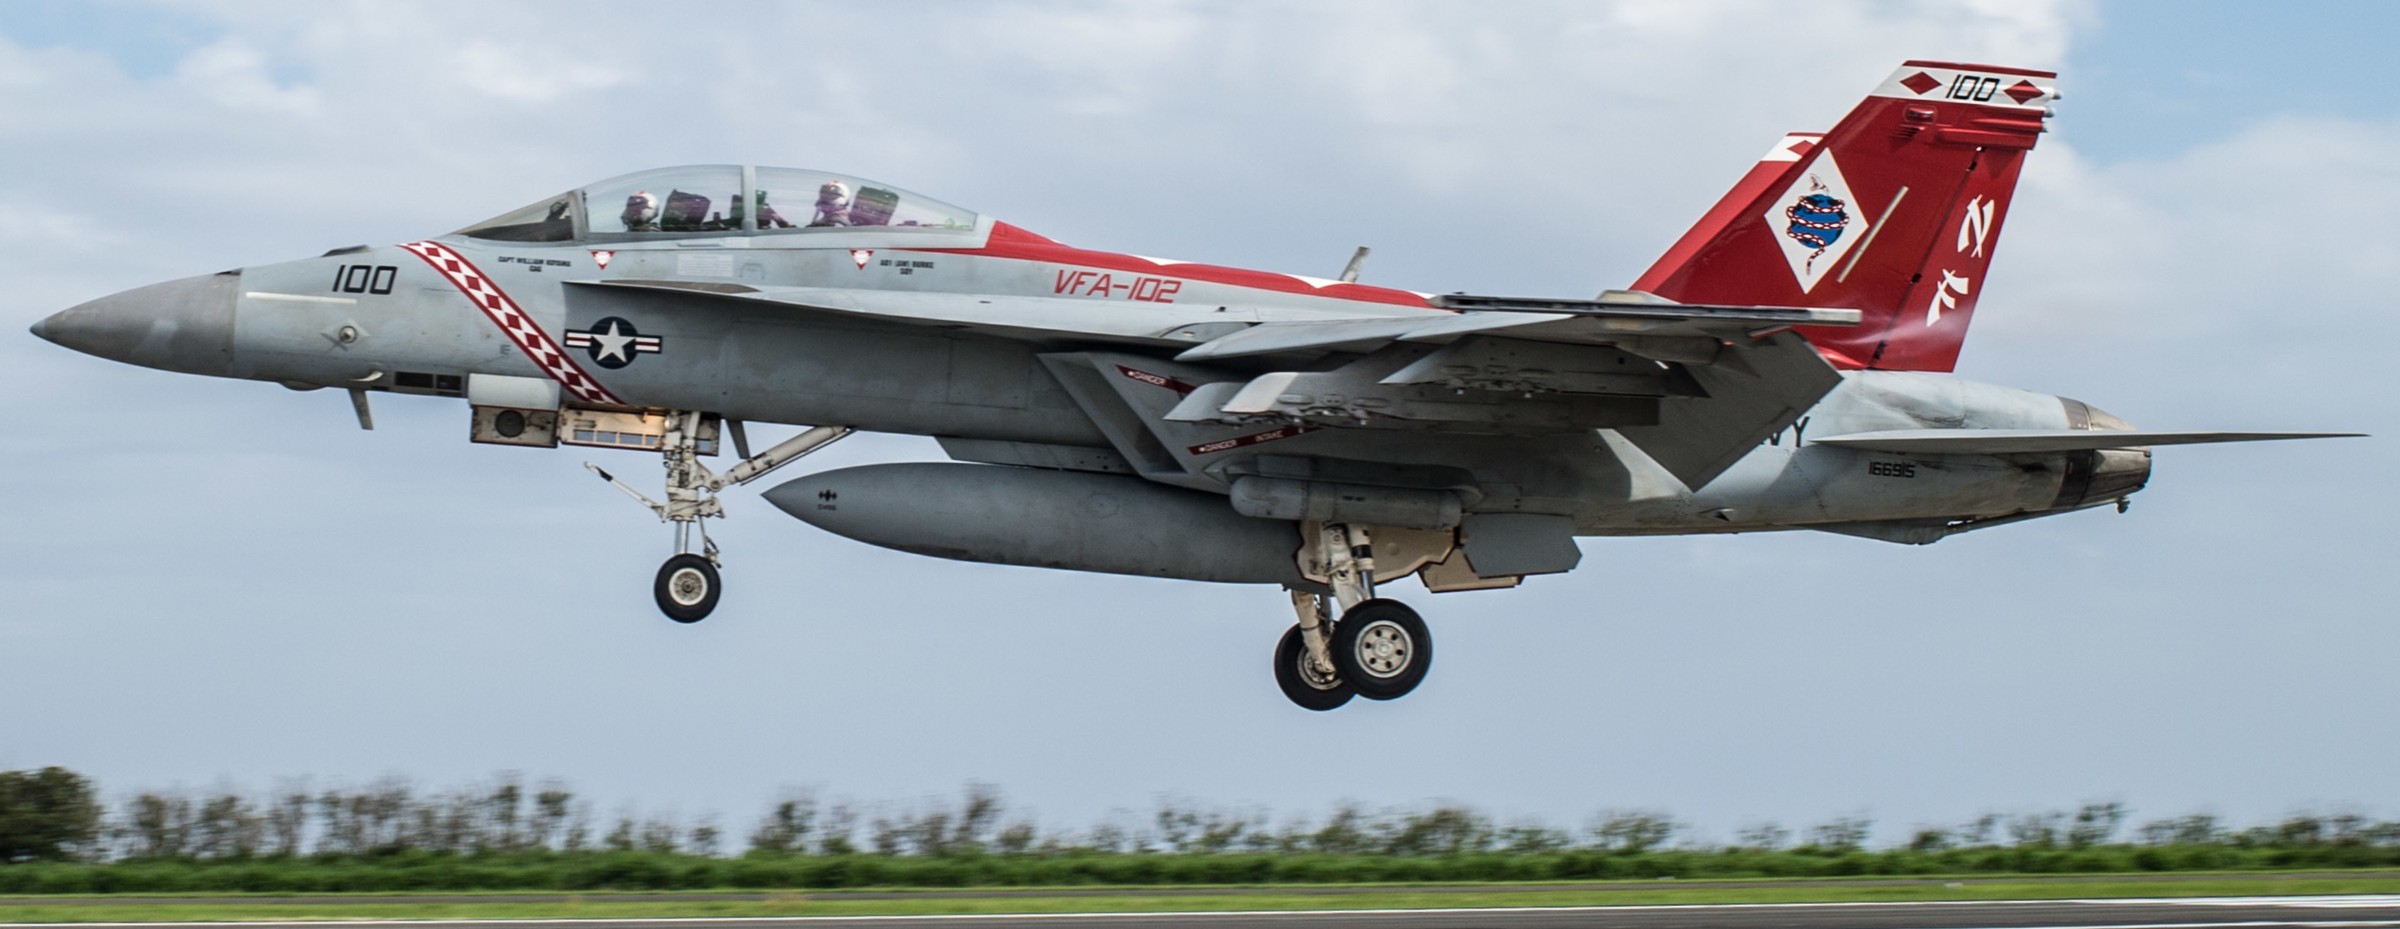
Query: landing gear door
[{"x": 513, "y": 410}]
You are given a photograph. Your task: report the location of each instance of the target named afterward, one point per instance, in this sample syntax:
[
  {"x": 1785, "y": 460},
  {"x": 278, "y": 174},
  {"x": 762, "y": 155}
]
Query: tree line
[{"x": 57, "y": 833}]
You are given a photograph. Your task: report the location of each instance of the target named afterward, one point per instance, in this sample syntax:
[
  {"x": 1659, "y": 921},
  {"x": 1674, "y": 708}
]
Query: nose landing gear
[
  {"x": 1379, "y": 649},
  {"x": 687, "y": 587}
]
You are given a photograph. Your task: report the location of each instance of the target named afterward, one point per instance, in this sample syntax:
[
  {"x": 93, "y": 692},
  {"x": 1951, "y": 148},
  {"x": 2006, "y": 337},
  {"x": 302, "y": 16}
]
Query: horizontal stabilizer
[{"x": 2040, "y": 441}]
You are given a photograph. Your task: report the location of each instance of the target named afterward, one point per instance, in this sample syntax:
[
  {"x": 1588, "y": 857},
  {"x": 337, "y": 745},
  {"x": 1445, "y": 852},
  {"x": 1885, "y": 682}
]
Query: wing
[
  {"x": 1694, "y": 387},
  {"x": 2044, "y": 441},
  {"x": 1618, "y": 317}
]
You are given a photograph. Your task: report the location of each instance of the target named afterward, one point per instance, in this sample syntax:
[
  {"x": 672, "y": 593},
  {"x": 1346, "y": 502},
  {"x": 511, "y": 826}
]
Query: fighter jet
[{"x": 1783, "y": 366}]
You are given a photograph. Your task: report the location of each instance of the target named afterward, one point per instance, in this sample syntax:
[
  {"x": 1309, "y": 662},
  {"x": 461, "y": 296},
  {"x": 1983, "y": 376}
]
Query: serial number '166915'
[
  {"x": 1891, "y": 469},
  {"x": 1104, "y": 284}
]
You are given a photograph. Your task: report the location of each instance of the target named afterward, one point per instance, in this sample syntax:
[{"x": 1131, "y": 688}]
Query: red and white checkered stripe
[{"x": 513, "y": 321}]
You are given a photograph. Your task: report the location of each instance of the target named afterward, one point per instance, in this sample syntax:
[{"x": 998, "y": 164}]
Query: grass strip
[{"x": 796, "y": 904}]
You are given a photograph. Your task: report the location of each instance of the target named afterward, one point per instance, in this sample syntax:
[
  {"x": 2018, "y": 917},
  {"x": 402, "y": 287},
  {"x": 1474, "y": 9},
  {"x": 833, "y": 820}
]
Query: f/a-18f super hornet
[{"x": 1782, "y": 366}]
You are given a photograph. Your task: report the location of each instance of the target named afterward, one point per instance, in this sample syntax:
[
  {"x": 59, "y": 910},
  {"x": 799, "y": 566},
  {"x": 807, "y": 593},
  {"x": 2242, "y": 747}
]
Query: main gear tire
[
  {"x": 1299, "y": 678},
  {"x": 1382, "y": 649},
  {"x": 687, "y": 588}
]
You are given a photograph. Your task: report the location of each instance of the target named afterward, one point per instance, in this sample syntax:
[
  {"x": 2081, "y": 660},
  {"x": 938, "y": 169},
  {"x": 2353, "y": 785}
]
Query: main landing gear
[
  {"x": 1378, "y": 649},
  {"x": 687, "y": 587}
]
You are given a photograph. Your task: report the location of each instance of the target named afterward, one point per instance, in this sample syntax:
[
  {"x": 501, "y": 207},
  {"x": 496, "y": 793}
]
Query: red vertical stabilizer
[{"x": 1895, "y": 213}]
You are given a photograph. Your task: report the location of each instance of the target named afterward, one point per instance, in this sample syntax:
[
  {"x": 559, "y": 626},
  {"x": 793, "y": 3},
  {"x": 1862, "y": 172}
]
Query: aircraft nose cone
[{"x": 181, "y": 325}]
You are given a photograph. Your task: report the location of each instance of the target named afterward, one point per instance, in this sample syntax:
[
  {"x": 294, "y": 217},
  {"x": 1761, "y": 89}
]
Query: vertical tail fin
[{"x": 1895, "y": 213}]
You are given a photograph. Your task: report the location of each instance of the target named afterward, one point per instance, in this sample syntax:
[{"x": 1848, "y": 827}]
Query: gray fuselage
[{"x": 381, "y": 318}]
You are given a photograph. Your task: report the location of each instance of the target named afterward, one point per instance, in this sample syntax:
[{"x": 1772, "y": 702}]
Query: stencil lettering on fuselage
[{"x": 1117, "y": 285}]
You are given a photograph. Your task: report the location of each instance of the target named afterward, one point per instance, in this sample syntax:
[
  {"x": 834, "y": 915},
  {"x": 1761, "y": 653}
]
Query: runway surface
[{"x": 2180, "y": 913}]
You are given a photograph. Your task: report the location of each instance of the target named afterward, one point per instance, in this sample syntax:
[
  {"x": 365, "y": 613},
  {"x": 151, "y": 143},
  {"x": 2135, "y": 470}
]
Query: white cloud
[
  {"x": 1098, "y": 60},
  {"x": 2228, "y": 284},
  {"x": 234, "y": 75},
  {"x": 529, "y": 73}
]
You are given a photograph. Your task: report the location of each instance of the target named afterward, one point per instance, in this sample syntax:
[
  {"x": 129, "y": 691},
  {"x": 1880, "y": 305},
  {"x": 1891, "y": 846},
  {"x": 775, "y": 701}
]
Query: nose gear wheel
[{"x": 687, "y": 588}]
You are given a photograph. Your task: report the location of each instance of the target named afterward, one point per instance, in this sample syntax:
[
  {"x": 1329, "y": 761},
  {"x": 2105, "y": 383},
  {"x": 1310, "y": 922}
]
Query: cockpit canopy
[{"x": 711, "y": 199}]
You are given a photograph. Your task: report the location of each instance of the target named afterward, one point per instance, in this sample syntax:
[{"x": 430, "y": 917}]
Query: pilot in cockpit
[
  {"x": 767, "y": 217},
  {"x": 833, "y": 205},
  {"x": 641, "y": 212}
]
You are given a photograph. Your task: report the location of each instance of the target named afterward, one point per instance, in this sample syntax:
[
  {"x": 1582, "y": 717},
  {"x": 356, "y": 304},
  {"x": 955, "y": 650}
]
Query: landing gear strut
[
  {"x": 1379, "y": 649},
  {"x": 688, "y": 586}
]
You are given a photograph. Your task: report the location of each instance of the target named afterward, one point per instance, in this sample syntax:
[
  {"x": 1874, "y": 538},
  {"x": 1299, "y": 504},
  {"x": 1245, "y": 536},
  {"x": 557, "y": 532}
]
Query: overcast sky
[{"x": 208, "y": 582}]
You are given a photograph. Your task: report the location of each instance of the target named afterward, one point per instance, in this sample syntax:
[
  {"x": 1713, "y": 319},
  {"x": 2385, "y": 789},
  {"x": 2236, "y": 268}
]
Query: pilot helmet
[
  {"x": 834, "y": 193},
  {"x": 640, "y": 209}
]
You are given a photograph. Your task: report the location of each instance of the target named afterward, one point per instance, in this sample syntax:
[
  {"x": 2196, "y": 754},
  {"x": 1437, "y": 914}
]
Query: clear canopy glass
[
  {"x": 689, "y": 199},
  {"x": 714, "y": 200},
  {"x": 547, "y": 220},
  {"x": 840, "y": 200}
]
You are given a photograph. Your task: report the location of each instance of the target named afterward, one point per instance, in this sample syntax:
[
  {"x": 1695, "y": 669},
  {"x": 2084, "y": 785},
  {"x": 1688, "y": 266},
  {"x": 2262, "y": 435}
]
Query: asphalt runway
[{"x": 2181, "y": 913}]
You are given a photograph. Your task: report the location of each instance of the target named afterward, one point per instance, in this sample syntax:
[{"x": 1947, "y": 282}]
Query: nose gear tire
[
  {"x": 1382, "y": 649},
  {"x": 687, "y": 588},
  {"x": 1300, "y": 682}
]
